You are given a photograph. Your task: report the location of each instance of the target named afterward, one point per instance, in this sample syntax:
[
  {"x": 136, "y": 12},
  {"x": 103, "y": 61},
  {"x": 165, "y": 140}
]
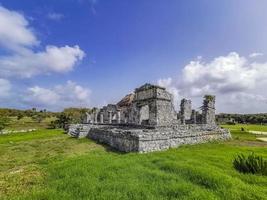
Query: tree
[
  {"x": 19, "y": 116},
  {"x": 62, "y": 121},
  {"x": 38, "y": 117},
  {"x": 75, "y": 114}
]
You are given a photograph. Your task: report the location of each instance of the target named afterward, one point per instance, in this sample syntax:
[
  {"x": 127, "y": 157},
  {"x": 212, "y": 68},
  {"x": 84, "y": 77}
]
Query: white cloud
[
  {"x": 58, "y": 97},
  {"x": 224, "y": 74},
  {"x": 254, "y": 55},
  {"x": 53, "y": 59},
  {"x": 242, "y": 102},
  {"x": 22, "y": 61},
  {"x": 42, "y": 96},
  {"x": 15, "y": 31},
  {"x": 232, "y": 78},
  {"x": 55, "y": 16},
  {"x": 5, "y": 88}
]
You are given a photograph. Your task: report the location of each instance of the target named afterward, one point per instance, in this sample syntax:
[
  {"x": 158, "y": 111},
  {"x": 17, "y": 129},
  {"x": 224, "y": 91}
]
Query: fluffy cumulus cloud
[
  {"x": 58, "y": 97},
  {"x": 237, "y": 81},
  {"x": 53, "y": 59},
  {"x": 224, "y": 74},
  {"x": 5, "y": 88},
  {"x": 19, "y": 40},
  {"x": 14, "y": 30}
]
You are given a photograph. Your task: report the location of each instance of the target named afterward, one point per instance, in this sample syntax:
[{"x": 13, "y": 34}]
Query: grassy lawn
[
  {"x": 47, "y": 164},
  {"x": 28, "y": 123}
]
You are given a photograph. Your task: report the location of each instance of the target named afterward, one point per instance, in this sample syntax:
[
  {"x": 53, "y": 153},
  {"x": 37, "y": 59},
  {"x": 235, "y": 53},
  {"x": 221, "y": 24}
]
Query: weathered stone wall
[
  {"x": 165, "y": 113},
  {"x": 162, "y": 141},
  {"x": 164, "y": 138},
  {"x": 142, "y": 139},
  {"x": 185, "y": 110},
  {"x": 144, "y": 94},
  {"x": 80, "y": 130},
  {"x": 118, "y": 139},
  {"x": 161, "y": 93},
  {"x": 152, "y": 105},
  {"x": 153, "y": 113}
]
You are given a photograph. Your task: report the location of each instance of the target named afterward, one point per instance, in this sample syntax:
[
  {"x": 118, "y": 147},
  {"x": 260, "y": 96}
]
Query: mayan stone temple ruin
[{"x": 146, "y": 121}]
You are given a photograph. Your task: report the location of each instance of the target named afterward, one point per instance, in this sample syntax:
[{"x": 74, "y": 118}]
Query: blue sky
[{"x": 118, "y": 45}]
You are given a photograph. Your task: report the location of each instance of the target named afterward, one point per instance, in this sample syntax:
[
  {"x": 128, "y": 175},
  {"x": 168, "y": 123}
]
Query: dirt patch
[
  {"x": 258, "y": 132},
  {"x": 262, "y": 139},
  {"x": 249, "y": 143}
]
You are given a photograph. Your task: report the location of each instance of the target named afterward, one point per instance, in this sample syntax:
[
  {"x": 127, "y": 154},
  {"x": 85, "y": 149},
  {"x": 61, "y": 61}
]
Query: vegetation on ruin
[
  {"x": 48, "y": 164},
  {"x": 209, "y": 97}
]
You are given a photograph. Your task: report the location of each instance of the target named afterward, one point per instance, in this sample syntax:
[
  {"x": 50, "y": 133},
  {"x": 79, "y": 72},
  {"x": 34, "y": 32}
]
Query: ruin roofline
[{"x": 147, "y": 86}]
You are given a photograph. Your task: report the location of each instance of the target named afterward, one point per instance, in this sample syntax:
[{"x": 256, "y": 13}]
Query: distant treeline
[
  {"x": 260, "y": 118},
  {"x": 74, "y": 113},
  {"x": 8, "y": 112}
]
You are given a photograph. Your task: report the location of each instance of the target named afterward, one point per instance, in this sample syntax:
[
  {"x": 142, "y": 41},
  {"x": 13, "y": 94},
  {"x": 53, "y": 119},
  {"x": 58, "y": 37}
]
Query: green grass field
[
  {"x": 48, "y": 164},
  {"x": 247, "y": 127},
  {"x": 28, "y": 123}
]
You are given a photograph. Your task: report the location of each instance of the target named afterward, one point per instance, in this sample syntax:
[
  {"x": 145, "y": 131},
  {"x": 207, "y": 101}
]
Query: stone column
[
  {"x": 208, "y": 110},
  {"x": 92, "y": 117},
  {"x": 109, "y": 117},
  {"x": 118, "y": 117},
  {"x": 194, "y": 117},
  {"x": 96, "y": 117},
  {"x": 101, "y": 118},
  {"x": 185, "y": 110},
  {"x": 87, "y": 120},
  {"x": 182, "y": 120}
]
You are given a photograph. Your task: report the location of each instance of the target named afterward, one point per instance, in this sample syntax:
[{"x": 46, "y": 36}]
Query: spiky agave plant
[{"x": 251, "y": 164}]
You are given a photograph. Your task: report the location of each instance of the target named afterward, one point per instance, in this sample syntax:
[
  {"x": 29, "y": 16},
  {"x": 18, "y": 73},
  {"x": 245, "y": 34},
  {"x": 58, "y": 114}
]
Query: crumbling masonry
[{"x": 146, "y": 121}]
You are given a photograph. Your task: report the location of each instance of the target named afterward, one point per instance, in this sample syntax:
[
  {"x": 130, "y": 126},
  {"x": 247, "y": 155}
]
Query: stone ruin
[{"x": 146, "y": 121}]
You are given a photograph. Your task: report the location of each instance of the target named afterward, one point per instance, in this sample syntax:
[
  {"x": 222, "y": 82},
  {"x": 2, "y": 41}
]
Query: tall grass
[{"x": 250, "y": 164}]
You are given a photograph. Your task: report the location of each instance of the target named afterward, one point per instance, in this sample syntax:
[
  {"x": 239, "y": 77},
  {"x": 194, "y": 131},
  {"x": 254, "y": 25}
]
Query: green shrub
[
  {"x": 52, "y": 125},
  {"x": 4, "y": 121},
  {"x": 230, "y": 123},
  {"x": 251, "y": 164}
]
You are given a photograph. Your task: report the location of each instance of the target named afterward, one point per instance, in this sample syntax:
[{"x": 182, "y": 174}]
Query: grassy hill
[{"x": 48, "y": 164}]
